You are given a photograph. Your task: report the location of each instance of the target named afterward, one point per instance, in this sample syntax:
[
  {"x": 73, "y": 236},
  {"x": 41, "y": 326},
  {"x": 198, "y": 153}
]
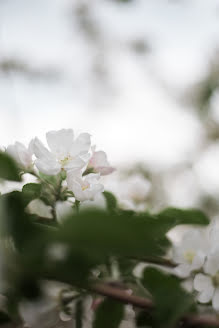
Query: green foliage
[
  {"x": 31, "y": 191},
  {"x": 111, "y": 201},
  {"x": 175, "y": 216},
  {"x": 92, "y": 240},
  {"x": 109, "y": 314},
  {"x": 8, "y": 168},
  {"x": 171, "y": 301}
]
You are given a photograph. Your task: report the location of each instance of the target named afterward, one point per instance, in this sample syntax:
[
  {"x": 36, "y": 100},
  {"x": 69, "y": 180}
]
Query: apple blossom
[
  {"x": 99, "y": 163},
  {"x": 84, "y": 188},
  {"x": 190, "y": 253},
  {"x": 21, "y": 154},
  {"x": 207, "y": 284},
  {"x": 65, "y": 152}
]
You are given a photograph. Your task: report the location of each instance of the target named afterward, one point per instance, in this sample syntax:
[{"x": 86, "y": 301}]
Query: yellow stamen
[{"x": 189, "y": 256}]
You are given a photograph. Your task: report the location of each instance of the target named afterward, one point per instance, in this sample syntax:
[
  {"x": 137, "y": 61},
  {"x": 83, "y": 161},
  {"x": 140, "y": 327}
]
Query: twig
[{"x": 123, "y": 296}]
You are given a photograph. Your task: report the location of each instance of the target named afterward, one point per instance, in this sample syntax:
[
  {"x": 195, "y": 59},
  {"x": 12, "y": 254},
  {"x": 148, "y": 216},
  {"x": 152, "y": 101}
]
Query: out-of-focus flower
[
  {"x": 208, "y": 289},
  {"x": 63, "y": 209},
  {"x": 21, "y": 154},
  {"x": 65, "y": 152},
  {"x": 84, "y": 188},
  {"x": 207, "y": 283},
  {"x": 99, "y": 162},
  {"x": 190, "y": 253},
  {"x": 38, "y": 207},
  {"x": 131, "y": 192}
]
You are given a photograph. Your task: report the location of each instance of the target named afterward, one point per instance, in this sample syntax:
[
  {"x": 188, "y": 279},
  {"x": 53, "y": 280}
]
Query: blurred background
[{"x": 141, "y": 76}]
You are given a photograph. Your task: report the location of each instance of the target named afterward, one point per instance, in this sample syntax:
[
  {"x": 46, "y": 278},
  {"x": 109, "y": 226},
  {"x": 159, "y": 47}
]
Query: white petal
[
  {"x": 92, "y": 177},
  {"x": 215, "y": 300},
  {"x": 48, "y": 167},
  {"x": 105, "y": 170},
  {"x": 198, "y": 261},
  {"x": 76, "y": 163},
  {"x": 81, "y": 145},
  {"x": 183, "y": 270},
  {"x": 187, "y": 285},
  {"x": 40, "y": 151},
  {"x": 202, "y": 282},
  {"x": 61, "y": 141},
  {"x": 78, "y": 192},
  {"x": 206, "y": 295},
  {"x": 212, "y": 263}
]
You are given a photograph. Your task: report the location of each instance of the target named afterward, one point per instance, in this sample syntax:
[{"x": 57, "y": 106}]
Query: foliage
[{"x": 92, "y": 252}]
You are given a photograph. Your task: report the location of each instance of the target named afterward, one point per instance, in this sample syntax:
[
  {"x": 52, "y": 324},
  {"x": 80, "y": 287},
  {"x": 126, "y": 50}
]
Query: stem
[
  {"x": 158, "y": 261},
  {"x": 123, "y": 296},
  {"x": 77, "y": 206}
]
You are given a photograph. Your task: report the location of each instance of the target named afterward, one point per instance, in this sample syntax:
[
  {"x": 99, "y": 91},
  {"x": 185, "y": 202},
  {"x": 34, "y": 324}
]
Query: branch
[{"x": 123, "y": 296}]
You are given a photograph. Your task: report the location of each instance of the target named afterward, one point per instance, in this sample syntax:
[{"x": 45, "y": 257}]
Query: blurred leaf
[
  {"x": 109, "y": 314},
  {"x": 174, "y": 216},
  {"x": 31, "y": 191},
  {"x": 171, "y": 301},
  {"x": 111, "y": 201},
  {"x": 8, "y": 168},
  {"x": 4, "y": 318},
  {"x": 79, "y": 314}
]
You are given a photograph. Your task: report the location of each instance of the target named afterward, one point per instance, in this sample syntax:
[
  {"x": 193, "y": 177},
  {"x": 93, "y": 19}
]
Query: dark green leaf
[
  {"x": 111, "y": 201},
  {"x": 8, "y": 168},
  {"x": 174, "y": 216},
  {"x": 4, "y": 318},
  {"x": 31, "y": 191},
  {"x": 109, "y": 314},
  {"x": 78, "y": 314},
  {"x": 171, "y": 301}
]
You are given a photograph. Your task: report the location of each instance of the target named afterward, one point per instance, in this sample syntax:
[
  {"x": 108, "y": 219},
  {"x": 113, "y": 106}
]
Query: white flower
[
  {"x": 21, "y": 154},
  {"x": 99, "y": 163},
  {"x": 84, "y": 188},
  {"x": 65, "y": 152},
  {"x": 190, "y": 254},
  {"x": 208, "y": 284}
]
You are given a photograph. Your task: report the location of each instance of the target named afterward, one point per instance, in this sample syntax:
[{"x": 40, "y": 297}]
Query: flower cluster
[
  {"x": 81, "y": 164},
  {"x": 197, "y": 259}
]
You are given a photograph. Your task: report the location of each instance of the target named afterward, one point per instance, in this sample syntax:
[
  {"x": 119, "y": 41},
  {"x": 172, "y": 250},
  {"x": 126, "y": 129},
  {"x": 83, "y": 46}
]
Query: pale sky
[{"x": 139, "y": 119}]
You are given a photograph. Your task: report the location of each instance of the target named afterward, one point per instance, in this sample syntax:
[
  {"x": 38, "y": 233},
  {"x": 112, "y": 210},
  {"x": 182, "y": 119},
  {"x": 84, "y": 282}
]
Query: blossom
[
  {"x": 99, "y": 162},
  {"x": 190, "y": 254},
  {"x": 207, "y": 283},
  {"x": 84, "y": 188},
  {"x": 21, "y": 154},
  {"x": 65, "y": 152}
]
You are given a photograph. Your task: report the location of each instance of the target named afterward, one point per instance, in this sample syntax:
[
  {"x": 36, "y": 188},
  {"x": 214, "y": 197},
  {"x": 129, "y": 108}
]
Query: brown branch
[{"x": 123, "y": 296}]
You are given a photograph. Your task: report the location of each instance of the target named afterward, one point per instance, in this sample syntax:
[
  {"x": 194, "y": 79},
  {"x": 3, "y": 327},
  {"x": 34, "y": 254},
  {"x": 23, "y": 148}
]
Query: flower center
[
  {"x": 84, "y": 187},
  {"x": 65, "y": 160},
  {"x": 215, "y": 279},
  {"x": 189, "y": 256}
]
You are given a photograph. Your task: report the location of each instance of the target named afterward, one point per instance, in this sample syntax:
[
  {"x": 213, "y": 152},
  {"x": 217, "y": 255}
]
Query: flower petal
[
  {"x": 212, "y": 263},
  {"x": 81, "y": 145},
  {"x": 40, "y": 151},
  {"x": 202, "y": 282},
  {"x": 49, "y": 167},
  {"x": 183, "y": 270},
  {"x": 198, "y": 261},
  {"x": 76, "y": 163},
  {"x": 60, "y": 142}
]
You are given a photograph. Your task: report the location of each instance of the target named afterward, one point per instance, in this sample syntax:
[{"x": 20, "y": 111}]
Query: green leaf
[
  {"x": 109, "y": 314},
  {"x": 171, "y": 301},
  {"x": 8, "y": 168},
  {"x": 79, "y": 314},
  {"x": 31, "y": 191},
  {"x": 4, "y": 318},
  {"x": 111, "y": 201},
  {"x": 175, "y": 216}
]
